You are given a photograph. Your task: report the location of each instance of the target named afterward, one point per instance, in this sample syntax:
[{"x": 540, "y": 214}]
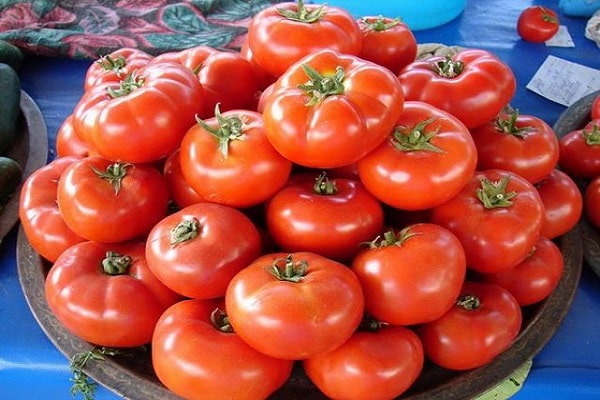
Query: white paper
[
  {"x": 562, "y": 38},
  {"x": 564, "y": 81}
]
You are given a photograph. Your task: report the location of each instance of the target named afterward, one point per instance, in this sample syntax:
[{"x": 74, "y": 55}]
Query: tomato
[
  {"x": 111, "y": 202},
  {"x": 144, "y": 117},
  {"x": 302, "y": 114},
  {"x": 106, "y": 294},
  {"x": 591, "y": 202},
  {"x": 179, "y": 189},
  {"x": 197, "y": 356},
  {"x": 427, "y": 159},
  {"x": 228, "y": 78},
  {"x": 412, "y": 276},
  {"x": 68, "y": 142},
  {"x": 524, "y": 144},
  {"x": 482, "y": 324},
  {"x": 375, "y": 363},
  {"x": 215, "y": 153},
  {"x": 331, "y": 217},
  {"x": 264, "y": 78},
  {"x": 563, "y": 203},
  {"x": 474, "y": 85},
  {"x": 534, "y": 279},
  {"x": 595, "y": 109},
  {"x": 294, "y": 305},
  {"x": 497, "y": 217},
  {"x": 537, "y": 24},
  {"x": 39, "y": 215},
  {"x": 580, "y": 151},
  {"x": 115, "y": 66},
  {"x": 387, "y": 42},
  {"x": 282, "y": 34},
  {"x": 198, "y": 249}
]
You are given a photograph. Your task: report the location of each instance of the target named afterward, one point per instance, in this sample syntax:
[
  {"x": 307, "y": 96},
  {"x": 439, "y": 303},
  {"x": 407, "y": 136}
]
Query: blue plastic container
[{"x": 417, "y": 14}]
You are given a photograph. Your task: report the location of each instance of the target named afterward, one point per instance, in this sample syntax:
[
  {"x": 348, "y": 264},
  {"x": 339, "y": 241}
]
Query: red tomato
[
  {"x": 563, "y": 203},
  {"x": 373, "y": 364},
  {"x": 387, "y": 42},
  {"x": 497, "y": 217},
  {"x": 474, "y": 85},
  {"x": 332, "y": 217},
  {"x": 282, "y": 34},
  {"x": 580, "y": 151},
  {"x": 68, "y": 142},
  {"x": 264, "y": 78},
  {"x": 40, "y": 217},
  {"x": 198, "y": 357},
  {"x": 144, "y": 117},
  {"x": 412, "y": 276},
  {"x": 537, "y": 24},
  {"x": 524, "y": 144},
  {"x": 115, "y": 66},
  {"x": 595, "y": 110},
  {"x": 303, "y": 113},
  {"x": 111, "y": 202},
  {"x": 215, "y": 153},
  {"x": 427, "y": 159},
  {"x": 180, "y": 190},
  {"x": 198, "y": 249},
  {"x": 294, "y": 306},
  {"x": 105, "y": 294},
  {"x": 482, "y": 324},
  {"x": 534, "y": 279},
  {"x": 591, "y": 202}
]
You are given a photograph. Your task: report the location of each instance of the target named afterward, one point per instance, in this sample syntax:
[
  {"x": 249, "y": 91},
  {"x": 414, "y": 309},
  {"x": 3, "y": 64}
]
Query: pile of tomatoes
[{"x": 321, "y": 198}]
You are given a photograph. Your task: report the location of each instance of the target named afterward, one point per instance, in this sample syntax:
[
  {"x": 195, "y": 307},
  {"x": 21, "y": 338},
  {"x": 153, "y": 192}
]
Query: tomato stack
[{"x": 322, "y": 198}]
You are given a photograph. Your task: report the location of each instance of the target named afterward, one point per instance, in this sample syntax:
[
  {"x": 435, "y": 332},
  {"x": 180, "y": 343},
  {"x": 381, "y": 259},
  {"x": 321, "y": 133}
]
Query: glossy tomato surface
[{"x": 537, "y": 24}]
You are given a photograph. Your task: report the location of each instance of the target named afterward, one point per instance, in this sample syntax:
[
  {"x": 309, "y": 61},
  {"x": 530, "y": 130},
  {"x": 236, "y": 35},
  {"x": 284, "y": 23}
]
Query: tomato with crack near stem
[
  {"x": 180, "y": 191},
  {"x": 483, "y": 323},
  {"x": 198, "y": 249},
  {"x": 143, "y": 117},
  {"x": 474, "y": 85},
  {"x": 280, "y": 35},
  {"x": 563, "y": 203},
  {"x": 198, "y": 356},
  {"x": 111, "y": 202},
  {"x": 331, "y": 109},
  {"x": 104, "y": 293},
  {"x": 68, "y": 142},
  {"x": 411, "y": 276},
  {"x": 537, "y": 24},
  {"x": 591, "y": 202},
  {"x": 379, "y": 361},
  {"x": 497, "y": 217},
  {"x": 516, "y": 142},
  {"x": 595, "y": 109},
  {"x": 535, "y": 278},
  {"x": 113, "y": 67},
  {"x": 40, "y": 217},
  {"x": 428, "y": 157},
  {"x": 580, "y": 151},
  {"x": 332, "y": 217},
  {"x": 294, "y": 305},
  {"x": 216, "y": 152}
]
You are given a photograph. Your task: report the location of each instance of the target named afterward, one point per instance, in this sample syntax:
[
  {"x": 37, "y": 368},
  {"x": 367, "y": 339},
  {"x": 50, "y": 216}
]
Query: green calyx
[
  {"x": 468, "y": 302},
  {"x": 114, "y": 174},
  {"x": 415, "y": 138},
  {"x": 228, "y": 128},
  {"x": 220, "y": 320},
  {"x": 116, "y": 264},
  {"x": 591, "y": 134},
  {"x": 126, "y": 86},
  {"x": 324, "y": 186},
  {"x": 185, "y": 230},
  {"x": 289, "y": 270},
  {"x": 507, "y": 123},
  {"x": 448, "y": 67},
  {"x": 380, "y": 24},
  {"x": 494, "y": 194},
  {"x": 303, "y": 14},
  {"x": 115, "y": 65},
  {"x": 319, "y": 86},
  {"x": 391, "y": 237}
]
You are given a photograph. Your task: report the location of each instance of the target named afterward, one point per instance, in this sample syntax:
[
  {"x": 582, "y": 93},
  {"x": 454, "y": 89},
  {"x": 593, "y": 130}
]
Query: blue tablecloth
[{"x": 567, "y": 368}]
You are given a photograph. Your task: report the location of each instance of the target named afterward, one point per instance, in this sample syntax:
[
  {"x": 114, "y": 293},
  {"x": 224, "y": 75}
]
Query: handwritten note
[{"x": 564, "y": 81}]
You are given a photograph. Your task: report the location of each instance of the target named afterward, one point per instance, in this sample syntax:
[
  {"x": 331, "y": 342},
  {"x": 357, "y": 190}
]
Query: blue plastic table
[{"x": 567, "y": 368}]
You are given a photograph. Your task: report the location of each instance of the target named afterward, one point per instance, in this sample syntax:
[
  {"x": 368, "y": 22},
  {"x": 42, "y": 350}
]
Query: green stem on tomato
[
  {"x": 494, "y": 194},
  {"x": 220, "y": 321},
  {"x": 591, "y": 134},
  {"x": 468, "y": 302},
  {"x": 114, "y": 174},
  {"x": 228, "y": 128},
  {"x": 507, "y": 123},
  {"x": 126, "y": 86},
  {"x": 115, "y": 263},
  {"x": 380, "y": 24},
  {"x": 449, "y": 68},
  {"x": 391, "y": 237},
  {"x": 290, "y": 271},
  {"x": 185, "y": 230},
  {"x": 319, "y": 86},
  {"x": 324, "y": 186},
  {"x": 415, "y": 138},
  {"x": 303, "y": 14}
]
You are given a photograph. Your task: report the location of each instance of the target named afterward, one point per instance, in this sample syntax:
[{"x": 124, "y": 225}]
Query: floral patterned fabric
[{"x": 92, "y": 28}]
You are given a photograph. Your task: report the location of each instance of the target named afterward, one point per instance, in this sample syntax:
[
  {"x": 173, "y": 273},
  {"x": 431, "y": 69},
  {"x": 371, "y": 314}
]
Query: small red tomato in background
[
  {"x": 580, "y": 151},
  {"x": 387, "y": 42},
  {"x": 592, "y": 202},
  {"x": 595, "y": 111},
  {"x": 115, "y": 66},
  {"x": 537, "y": 24}
]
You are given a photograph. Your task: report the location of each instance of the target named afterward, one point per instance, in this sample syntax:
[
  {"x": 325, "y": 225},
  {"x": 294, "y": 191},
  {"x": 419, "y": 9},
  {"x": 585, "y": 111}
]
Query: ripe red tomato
[
  {"x": 426, "y": 160},
  {"x": 105, "y": 294},
  {"x": 179, "y": 189},
  {"x": 373, "y": 364},
  {"x": 294, "y": 306},
  {"x": 534, "y": 279},
  {"x": 412, "y": 276},
  {"x": 331, "y": 217},
  {"x": 537, "y": 24},
  {"x": 563, "y": 203},
  {"x": 591, "y": 202},
  {"x": 198, "y": 249},
  {"x": 68, "y": 142},
  {"x": 497, "y": 217},
  {"x": 198, "y": 357},
  {"x": 303, "y": 111},
  {"x": 115, "y": 66},
  {"x": 40, "y": 217},
  {"x": 111, "y": 202},
  {"x": 482, "y": 324},
  {"x": 580, "y": 151},
  {"x": 474, "y": 85},
  {"x": 216, "y": 153},
  {"x": 387, "y": 42},
  {"x": 595, "y": 110},
  {"x": 282, "y": 34},
  {"x": 524, "y": 144}
]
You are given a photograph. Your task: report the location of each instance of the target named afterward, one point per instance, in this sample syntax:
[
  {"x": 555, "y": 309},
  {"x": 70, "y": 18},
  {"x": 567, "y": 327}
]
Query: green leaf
[
  {"x": 510, "y": 386},
  {"x": 181, "y": 18}
]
